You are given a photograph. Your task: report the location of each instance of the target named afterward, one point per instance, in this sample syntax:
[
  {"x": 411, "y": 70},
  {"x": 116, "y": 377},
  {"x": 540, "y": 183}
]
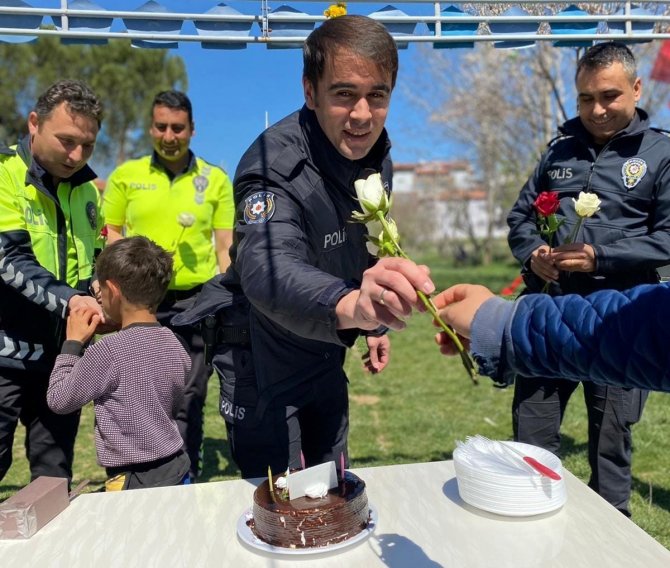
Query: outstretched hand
[
  {"x": 457, "y": 307},
  {"x": 386, "y": 296}
]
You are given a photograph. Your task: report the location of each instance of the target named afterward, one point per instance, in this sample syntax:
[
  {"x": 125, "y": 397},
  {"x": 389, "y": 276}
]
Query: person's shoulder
[
  {"x": 8, "y": 154},
  {"x": 210, "y": 167},
  {"x": 279, "y": 148},
  {"x": 6, "y": 151},
  {"x": 660, "y": 133},
  {"x": 131, "y": 165}
]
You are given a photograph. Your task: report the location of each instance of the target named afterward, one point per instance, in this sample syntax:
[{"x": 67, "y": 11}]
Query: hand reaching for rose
[{"x": 457, "y": 307}]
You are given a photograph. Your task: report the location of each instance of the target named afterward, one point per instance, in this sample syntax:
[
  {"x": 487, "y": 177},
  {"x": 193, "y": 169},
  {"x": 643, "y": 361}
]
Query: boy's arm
[{"x": 77, "y": 379}]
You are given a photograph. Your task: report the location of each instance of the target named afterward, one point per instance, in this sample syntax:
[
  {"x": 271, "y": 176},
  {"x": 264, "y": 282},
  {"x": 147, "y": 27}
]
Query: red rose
[{"x": 547, "y": 203}]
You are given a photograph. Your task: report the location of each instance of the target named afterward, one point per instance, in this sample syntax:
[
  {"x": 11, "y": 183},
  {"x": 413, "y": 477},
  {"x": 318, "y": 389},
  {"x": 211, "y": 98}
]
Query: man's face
[
  {"x": 63, "y": 142},
  {"x": 607, "y": 100},
  {"x": 351, "y": 102},
  {"x": 171, "y": 132}
]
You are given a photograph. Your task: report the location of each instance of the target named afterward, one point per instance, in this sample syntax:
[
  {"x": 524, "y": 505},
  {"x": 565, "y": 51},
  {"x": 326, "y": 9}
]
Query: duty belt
[{"x": 233, "y": 335}]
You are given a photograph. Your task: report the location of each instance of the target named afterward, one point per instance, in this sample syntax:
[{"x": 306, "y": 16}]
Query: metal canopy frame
[{"x": 264, "y": 18}]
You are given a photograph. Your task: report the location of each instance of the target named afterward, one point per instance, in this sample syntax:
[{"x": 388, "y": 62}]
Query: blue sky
[{"x": 231, "y": 90}]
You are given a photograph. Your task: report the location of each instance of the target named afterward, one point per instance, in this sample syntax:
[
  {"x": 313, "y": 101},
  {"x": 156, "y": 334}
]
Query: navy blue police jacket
[
  {"x": 295, "y": 251},
  {"x": 631, "y": 232}
]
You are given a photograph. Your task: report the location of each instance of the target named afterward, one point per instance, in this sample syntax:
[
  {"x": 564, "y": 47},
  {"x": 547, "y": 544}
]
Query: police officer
[
  {"x": 609, "y": 150},
  {"x": 303, "y": 266},
  {"x": 185, "y": 205},
  {"x": 50, "y": 228}
]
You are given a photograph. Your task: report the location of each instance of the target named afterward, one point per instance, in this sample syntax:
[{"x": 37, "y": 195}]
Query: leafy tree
[{"x": 125, "y": 78}]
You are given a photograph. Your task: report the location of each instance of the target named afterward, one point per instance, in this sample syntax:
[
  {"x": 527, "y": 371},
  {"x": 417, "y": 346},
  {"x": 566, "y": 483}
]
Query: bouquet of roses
[{"x": 383, "y": 240}]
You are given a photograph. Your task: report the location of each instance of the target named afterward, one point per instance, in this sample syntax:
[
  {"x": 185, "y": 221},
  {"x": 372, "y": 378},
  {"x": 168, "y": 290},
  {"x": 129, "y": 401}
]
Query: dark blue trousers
[
  {"x": 49, "y": 437},
  {"x": 538, "y": 409}
]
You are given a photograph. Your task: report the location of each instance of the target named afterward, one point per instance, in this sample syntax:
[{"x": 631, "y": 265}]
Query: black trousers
[
  {"x": 538, "y": 409},
  {"x": 50, "y": 437},
  {"x": 314, "y": 421},
  {"x": 189, "y": 417}
]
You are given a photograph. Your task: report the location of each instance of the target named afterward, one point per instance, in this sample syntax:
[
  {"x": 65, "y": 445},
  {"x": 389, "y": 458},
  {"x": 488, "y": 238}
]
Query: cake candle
[
  {"x": 341, "y": 465},
  {"x": 270, "y": 484},
  {"x": 302, "y": 460}
]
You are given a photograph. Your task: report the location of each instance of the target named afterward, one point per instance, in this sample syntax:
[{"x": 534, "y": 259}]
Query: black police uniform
[
  {"x": 295, "y": 255},
  {"x": 631, "y": 238}
]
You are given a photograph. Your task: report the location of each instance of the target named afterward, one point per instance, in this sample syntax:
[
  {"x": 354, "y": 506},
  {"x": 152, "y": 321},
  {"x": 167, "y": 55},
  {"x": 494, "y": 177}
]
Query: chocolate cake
[{"x": 305, "y": 522}]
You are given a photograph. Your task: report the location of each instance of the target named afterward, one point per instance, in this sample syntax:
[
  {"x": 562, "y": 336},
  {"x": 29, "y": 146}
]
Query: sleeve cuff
[
  {"x": 488, "y": 327},
  {"x": 72, "y": 347}
]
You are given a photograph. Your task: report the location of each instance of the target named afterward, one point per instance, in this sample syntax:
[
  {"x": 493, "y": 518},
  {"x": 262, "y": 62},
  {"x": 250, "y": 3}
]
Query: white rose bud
[
  {"x": 371, "y": 194},
  {"x": 587, "y": 204},
  {"x": 186, "y": 219}
]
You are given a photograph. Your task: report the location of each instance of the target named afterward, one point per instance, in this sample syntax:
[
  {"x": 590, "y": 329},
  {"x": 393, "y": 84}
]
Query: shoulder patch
[
  {"x": 92, "y": 214},
  {"x": 259, "y": 208}
]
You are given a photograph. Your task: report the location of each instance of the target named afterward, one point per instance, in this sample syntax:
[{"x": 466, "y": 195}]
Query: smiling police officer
[
  {"x": 185, "y": 205},
  {"x": 50, "y": 227},
  {"x": 302, "y": 264},
  {"x": 610, "y": 150}
]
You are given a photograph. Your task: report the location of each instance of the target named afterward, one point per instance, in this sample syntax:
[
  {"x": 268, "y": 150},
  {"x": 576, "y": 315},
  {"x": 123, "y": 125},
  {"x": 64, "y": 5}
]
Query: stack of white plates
[{"x": 493, "y": 478}]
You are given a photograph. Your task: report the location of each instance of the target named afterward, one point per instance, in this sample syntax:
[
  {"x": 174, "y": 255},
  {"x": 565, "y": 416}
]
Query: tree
[
  {"x": 125, "y": 78},
  {"x": 505, "y": 105}
]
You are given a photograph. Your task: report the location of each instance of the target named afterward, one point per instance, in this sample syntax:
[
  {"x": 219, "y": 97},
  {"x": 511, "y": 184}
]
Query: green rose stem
[
  {"x": 575, "y": 230},
  {"x": 468, "y": 363},
  {"x": 176, "y": 243}
]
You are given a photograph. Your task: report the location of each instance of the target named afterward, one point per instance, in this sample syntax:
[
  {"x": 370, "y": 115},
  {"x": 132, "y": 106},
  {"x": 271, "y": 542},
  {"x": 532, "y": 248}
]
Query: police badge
[
  {"x": 633, "y": 171},
  {"x": 200, "y": 183},
  {"x": 92, "y": 214},
  {"x": 259, "y": 208}
]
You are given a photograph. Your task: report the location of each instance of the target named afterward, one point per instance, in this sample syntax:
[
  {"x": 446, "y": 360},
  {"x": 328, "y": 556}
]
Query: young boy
[{"x": 135, "y": 377}]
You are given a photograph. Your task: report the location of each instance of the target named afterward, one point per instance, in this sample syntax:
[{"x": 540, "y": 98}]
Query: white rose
[
  {"x": 316, "y": 491},
  {"x": 186, "y": 219},
  {"x": 587, "y": 204},
  {"x": 371, "y": 194},
  {"x": 281, "y": 482}
]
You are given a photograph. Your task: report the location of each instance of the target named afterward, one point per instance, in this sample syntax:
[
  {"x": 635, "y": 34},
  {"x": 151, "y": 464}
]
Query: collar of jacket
[
  {"x": 157, "y": 163},
  {"x": 575, "y": 127},
  {"x": 40, "y": 178},
  {"x": 330, "y": 162}
]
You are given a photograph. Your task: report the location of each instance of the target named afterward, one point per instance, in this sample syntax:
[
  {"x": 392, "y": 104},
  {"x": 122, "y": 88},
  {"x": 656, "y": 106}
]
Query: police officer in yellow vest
[
  {"x": 185, "y": 205},
  {"x": 50, "y": 227}
]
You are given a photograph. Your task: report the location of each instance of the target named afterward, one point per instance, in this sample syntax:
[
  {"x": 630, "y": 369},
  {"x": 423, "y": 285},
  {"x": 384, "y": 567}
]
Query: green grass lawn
[{"x": 416, "y": 410}]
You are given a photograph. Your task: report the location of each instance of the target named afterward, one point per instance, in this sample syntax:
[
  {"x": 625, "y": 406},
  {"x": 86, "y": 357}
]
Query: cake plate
[{"x": 250, "y": 539}]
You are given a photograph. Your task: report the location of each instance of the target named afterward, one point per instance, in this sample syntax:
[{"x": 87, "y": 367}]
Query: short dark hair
[
  {"x": 605, "y": 54},
  {"x": 361, "y": 35},
  {"x": 78, "y": 96},
  {"x": 175, "y": 100},
  {"x": 140, "y": 267}
]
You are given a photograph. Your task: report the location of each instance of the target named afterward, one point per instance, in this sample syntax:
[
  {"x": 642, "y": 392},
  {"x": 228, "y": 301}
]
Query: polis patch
[
  {"x": 633, "y": 171},
  {"x": 259, "y": 208}
]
